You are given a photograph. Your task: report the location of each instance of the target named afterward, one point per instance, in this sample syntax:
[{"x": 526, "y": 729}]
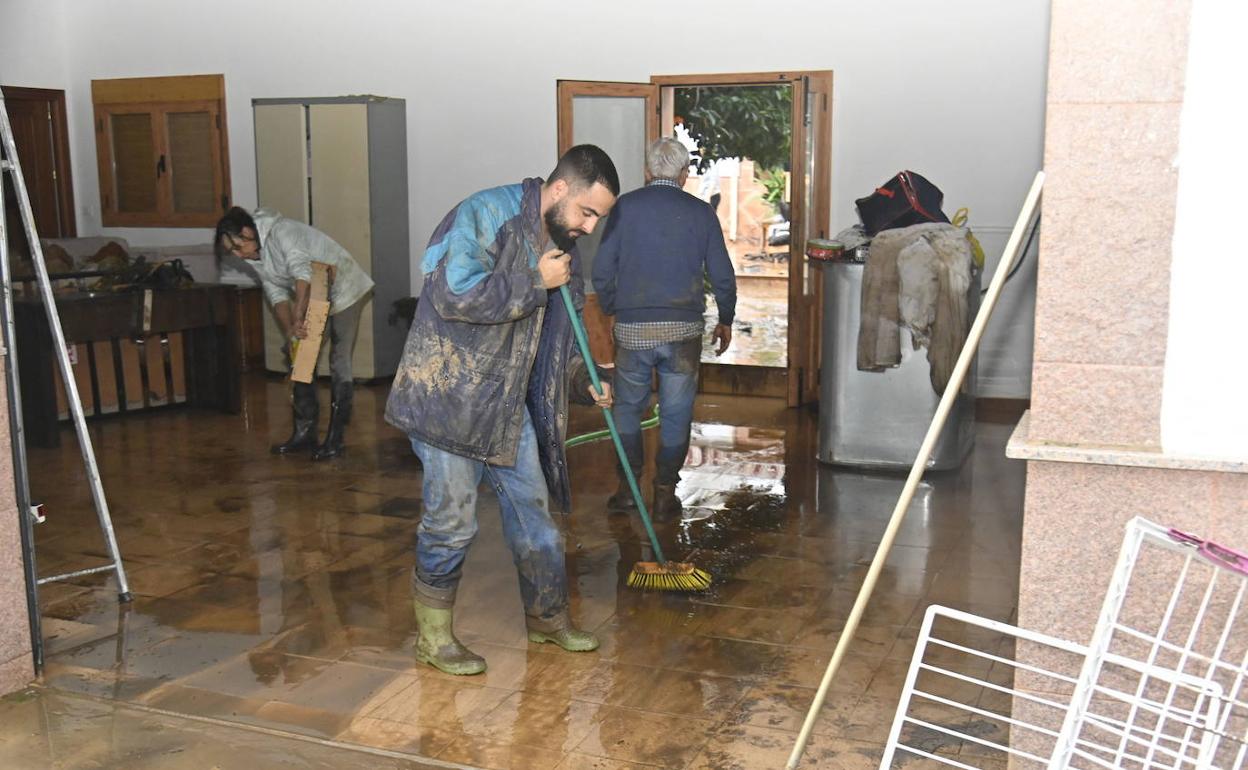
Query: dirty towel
[{"x": 917, "y": 277}]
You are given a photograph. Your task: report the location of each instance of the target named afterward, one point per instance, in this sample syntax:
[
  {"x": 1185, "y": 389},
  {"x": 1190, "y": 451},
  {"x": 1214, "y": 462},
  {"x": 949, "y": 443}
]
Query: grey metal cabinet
[
  {"x": 878, "y": 419},
  {"x": 340, "y": 165}
]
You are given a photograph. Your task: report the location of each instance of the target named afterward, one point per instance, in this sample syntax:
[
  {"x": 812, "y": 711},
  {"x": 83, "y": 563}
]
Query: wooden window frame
[{"x": 159, "y": 97}]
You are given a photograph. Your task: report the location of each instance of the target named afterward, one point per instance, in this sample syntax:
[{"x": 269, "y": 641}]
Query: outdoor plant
[
  {"x": 738, "y": 121},
  {"x": 772, "y": 181}
]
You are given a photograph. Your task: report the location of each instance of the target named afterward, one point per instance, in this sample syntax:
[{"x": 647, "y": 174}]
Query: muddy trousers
[
  {"x": 449, "y": 523},
  {"x": 677, "y": 365}
]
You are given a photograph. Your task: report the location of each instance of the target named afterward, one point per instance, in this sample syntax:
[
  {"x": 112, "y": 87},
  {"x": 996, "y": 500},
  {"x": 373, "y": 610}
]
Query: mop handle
[
  {"x": 578, "y": 329},
  {"x": 954, "y": 385}
]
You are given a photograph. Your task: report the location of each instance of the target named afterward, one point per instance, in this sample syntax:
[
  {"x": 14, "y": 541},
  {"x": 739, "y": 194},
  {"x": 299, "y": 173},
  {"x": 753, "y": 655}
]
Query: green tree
[{"x": 747, "y": 121}]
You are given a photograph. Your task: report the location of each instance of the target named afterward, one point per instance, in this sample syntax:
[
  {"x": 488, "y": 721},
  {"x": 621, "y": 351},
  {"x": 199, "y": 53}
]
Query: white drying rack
[{"x": 1163, "y": 683}]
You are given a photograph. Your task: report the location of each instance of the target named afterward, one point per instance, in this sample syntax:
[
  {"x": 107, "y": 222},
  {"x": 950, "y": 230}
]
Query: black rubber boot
[
  {"x": 339, "y": 416},
  {"x": 667, "y": 506},
  {"x": 622, "y": 501},
  {"x": 306, "y": 410}
]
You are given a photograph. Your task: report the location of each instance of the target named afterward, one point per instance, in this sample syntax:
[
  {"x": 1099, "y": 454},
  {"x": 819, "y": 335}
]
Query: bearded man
[{"x": 482, "y": 392}]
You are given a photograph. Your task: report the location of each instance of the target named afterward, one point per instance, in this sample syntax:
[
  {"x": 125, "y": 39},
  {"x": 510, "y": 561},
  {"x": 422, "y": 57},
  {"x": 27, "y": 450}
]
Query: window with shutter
[{"x": 162, "y": 151}]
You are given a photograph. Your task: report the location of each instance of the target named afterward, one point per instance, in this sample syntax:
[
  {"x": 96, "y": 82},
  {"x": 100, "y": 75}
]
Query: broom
[{"x": 662, "y": 575}]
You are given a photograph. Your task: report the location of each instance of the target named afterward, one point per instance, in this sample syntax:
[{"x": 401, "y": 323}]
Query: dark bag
[{"x": 906, "y": 199}]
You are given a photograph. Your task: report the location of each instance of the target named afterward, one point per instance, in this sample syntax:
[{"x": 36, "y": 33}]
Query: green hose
[{"x": 597, "y": 435}]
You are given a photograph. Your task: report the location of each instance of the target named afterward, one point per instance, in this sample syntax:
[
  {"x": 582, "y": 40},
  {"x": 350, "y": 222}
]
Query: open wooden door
[
  {"x": 810, "y": 174},
  {"x": 812, "y": 145},
  {"x": 621, "y": 118}
]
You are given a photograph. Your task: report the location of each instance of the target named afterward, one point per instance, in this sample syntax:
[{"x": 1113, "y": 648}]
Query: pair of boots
[
  {"x": 307, "y": 410},
  {"x": 436, "y": 643},
  {"x": 665, "y": 506}
]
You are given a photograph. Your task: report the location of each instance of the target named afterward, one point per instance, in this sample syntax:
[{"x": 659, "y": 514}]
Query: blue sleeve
[
  {"x": 607, "y": 262},
  {"x": 466, "y": 285},
  {"x": 719, "y": 270}
]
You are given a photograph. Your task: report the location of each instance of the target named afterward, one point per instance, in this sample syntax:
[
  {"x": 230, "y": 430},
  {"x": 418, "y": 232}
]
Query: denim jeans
[
  {"x": 677, "y": 364},
  {"x": 449, "y": 523},
  {"x": 341, "y": 330}
]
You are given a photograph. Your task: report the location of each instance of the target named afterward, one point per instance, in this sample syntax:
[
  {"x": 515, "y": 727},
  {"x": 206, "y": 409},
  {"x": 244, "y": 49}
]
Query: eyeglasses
[
  {"x": 1227, "y": 557},
  {"x": 234, "y": 243}
]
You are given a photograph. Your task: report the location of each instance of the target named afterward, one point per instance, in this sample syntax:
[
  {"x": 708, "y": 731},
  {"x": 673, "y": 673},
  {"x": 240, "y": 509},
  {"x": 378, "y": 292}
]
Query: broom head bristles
[{"x": 668, "y": 576}]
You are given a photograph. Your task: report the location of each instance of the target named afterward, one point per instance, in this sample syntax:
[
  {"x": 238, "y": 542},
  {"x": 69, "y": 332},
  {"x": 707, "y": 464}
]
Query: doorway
[
  {"x": 39, "y": 131},
  {"x": 622, "y": 115},
  {"x": 740, "y": 139}
]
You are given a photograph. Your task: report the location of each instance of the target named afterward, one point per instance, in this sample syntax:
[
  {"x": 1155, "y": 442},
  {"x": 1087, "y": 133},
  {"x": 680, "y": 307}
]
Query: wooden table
[{"x": 205, "y": 315}]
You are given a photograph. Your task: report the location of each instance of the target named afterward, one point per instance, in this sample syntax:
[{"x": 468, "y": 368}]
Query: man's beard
[{"x": 563, "y": 235}]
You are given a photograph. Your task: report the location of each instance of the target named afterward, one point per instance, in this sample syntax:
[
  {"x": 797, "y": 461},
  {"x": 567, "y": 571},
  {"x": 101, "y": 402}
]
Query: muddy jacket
[{"x": 489, "y": 339}]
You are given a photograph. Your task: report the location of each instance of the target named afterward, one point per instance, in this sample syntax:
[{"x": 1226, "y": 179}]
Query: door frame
[
  {"x": 598, "y": 325},
  {"x": 64, "y": 179},
  {"x": 566, "y": 90},
  {"x": 798, "y": 383}
]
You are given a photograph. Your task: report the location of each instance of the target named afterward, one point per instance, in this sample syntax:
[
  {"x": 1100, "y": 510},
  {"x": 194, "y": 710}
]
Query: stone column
[
  {"x": 16, "y": 666},
  {"x": 1093, "y": 436}
]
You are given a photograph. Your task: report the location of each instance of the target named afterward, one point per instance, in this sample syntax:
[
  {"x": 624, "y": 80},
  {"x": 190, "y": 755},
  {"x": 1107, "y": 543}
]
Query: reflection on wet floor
[
  {"x": 272, "y": 593},
  {"x": 63, "y": 730},
  {"x": 730, "y": 468}
]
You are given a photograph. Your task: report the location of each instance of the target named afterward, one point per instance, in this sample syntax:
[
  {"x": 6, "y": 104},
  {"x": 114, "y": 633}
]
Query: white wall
[
  {"x": 954, "y": 91},
  {"x": 1202, "y": 405},
  {"x": 32, "y": 44}
]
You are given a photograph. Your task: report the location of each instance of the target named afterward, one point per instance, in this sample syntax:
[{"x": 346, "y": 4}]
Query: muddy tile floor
[{"x": 271, "y": 623}]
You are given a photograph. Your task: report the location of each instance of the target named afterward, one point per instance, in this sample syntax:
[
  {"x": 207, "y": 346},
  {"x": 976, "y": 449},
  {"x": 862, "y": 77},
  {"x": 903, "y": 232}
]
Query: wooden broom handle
[{"x": 920, "y": 463}]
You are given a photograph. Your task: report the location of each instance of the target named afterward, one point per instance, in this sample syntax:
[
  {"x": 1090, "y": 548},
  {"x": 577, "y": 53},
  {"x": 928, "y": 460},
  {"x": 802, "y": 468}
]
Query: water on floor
[
  {"x": 760, "y": 330},
  {"x": 272, "y": 595}
]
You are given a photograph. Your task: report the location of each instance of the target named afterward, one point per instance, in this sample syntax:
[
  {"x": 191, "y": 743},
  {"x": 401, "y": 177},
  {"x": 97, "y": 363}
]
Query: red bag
[{"x": 906, "y": 199}]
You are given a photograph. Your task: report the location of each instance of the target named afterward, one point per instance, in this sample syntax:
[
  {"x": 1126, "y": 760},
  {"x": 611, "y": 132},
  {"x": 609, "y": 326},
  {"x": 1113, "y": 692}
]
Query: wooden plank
[
  {"x": 177, "y": 362},
  {"x": 304, "y": 369},
  {"x": 131, "y": 374},
  {"x": 105, "y": 376},
  {"x": 58, "y": 386},
  {"x": 740, "y": 380},
  {"x": 82, "y": 376},
  {"x": 177, "y": 88},
  {"x": 157, "y": 384}
]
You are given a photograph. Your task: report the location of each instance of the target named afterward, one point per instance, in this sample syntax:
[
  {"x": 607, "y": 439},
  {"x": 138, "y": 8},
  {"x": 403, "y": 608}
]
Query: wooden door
[
  {"x": 39, "y": 132},
  {"x": 812, "y": 142},
  {"x": 621, "y": 118},
  {"x": 798, "y": 381}
]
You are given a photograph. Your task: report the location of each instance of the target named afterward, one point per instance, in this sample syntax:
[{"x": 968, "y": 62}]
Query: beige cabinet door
[
  {"x": 282, "y": 159},
  {"x": 281, "y": 185},
  {"x": 340, "y": 206}
]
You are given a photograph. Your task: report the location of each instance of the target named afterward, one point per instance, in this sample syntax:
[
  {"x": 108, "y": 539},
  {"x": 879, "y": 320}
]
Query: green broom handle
[{"x": 578, "y": 329}]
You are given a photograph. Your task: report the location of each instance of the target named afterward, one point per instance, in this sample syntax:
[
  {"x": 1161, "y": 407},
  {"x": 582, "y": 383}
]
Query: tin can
[{"x": 824, "y": 251}]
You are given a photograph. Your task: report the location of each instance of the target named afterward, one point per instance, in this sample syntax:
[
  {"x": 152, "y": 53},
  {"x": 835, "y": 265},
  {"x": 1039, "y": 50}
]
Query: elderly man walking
[{"x": 649, "y": 272}]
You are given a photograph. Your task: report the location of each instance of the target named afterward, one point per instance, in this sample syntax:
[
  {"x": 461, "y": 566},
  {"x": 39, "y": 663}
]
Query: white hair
[{"x": 666, "y": 158}]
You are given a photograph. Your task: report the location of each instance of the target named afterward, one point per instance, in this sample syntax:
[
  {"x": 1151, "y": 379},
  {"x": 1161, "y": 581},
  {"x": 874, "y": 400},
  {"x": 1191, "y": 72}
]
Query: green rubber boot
[
  {"x": 436, "y": 643},
  {"x": 566, "y": 637}
]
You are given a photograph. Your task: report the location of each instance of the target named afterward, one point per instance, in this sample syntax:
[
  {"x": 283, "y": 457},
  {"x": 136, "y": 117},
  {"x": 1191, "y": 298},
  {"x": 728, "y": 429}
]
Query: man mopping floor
[{"x": 482, "y": 392}]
